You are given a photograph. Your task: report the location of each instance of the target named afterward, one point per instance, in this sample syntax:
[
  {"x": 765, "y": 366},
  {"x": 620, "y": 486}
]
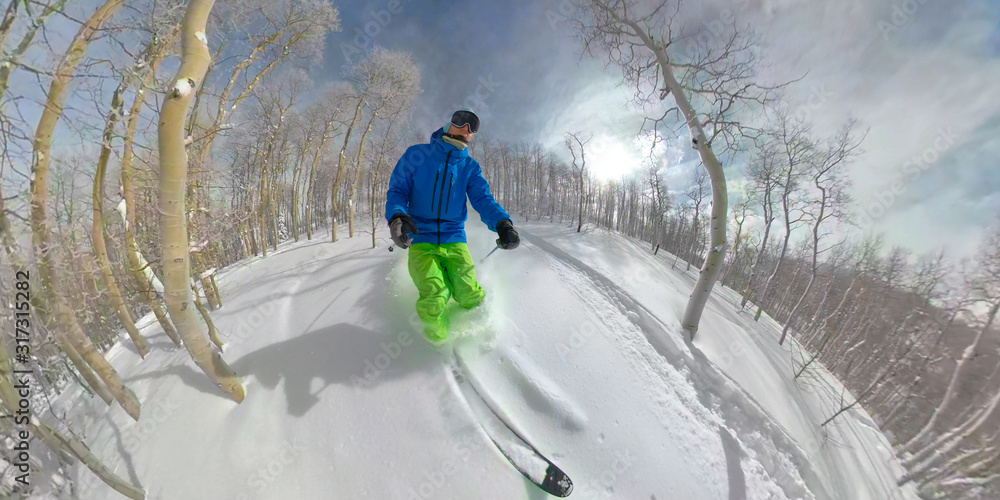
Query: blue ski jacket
[{"x": 430, "y": 183}]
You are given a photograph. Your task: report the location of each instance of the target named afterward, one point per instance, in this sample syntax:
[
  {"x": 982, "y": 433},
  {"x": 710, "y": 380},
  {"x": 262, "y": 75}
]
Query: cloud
[{"x": 931, "y": 74}]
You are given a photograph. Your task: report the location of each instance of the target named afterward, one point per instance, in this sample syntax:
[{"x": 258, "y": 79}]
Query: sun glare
[{"x": 609, "y": 159}]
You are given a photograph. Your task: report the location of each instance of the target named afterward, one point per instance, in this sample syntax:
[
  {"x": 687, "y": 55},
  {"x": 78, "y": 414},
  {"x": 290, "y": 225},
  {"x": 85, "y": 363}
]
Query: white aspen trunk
[
  {"x": 97, "y": 227},
  {"x": 147, "y": 271},
  {"x": 173, "y": 179},
  {"x": 312, "y": 179},
  {"x": 357, "y": 175},
  {"x": 340, "y": 169}
]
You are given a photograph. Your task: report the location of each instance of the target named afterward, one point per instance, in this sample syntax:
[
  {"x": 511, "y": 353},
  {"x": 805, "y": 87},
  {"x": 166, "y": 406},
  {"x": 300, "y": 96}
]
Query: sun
[{"x": 608, "y": 158}]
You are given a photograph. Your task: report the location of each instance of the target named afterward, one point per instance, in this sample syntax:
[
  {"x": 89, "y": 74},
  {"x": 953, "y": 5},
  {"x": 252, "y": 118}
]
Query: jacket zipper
[
  {"x": 441, "y": 194},
  {"x": 435, "y": 189},
  {"x": 447, "y": 203}
]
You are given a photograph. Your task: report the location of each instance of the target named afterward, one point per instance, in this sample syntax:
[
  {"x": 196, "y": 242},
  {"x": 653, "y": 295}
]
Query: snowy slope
[
  {"x": 578, "y": 343},
  {"x": 852, "y": 457}
]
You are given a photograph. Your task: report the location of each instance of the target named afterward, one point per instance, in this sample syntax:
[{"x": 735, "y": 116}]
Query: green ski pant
[{"x": 442, "y": 272}]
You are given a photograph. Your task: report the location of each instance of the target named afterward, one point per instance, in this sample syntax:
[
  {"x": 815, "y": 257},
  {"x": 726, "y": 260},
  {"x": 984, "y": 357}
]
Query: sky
[{"x": 918, "y": 75}]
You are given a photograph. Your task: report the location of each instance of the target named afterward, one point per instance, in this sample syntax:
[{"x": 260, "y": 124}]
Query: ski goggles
[{"x": 465, "y": 117}]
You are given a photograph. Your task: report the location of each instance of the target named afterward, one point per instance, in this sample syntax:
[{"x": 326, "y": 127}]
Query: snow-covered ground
[{"x": 579, "y": 343}]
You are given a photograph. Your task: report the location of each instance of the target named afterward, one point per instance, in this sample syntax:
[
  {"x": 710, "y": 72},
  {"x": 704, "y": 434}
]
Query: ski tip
[{"x": 556, "y": 482}]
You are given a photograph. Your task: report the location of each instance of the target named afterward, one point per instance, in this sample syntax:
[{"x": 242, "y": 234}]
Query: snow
[
  {"x": 578, "y": 344},
  {"x": 182, "y": 88}
]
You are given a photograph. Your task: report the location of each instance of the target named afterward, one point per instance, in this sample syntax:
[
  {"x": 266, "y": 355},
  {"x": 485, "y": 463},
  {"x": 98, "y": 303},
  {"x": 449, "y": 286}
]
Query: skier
[{"x": 427, "y": 199}]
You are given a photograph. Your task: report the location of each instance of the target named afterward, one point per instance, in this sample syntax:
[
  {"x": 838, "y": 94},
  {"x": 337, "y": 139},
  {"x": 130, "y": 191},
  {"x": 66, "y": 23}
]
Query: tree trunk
[
  {"x": 312, "y": 178},
  {"x": 140, "y": 271},
  {"x": 720, "y": 203},
  {"x": 774, "y": 273},
  {"x": 748, "y": 291},
  {"x": 55, "y": 441},
  {"x": 296, "y": 180},
  {"x": 212, "y": 333},
  {"x": 340, "y": 170},
  {"x": 922, "y": 371},
  {"x": 948, "y": 442},
  {"x": 271, "y": 198},
  {"x": 798, "y": 304},
  {"x": 357, "y": 175},
  {"x": 173, "y": 178},
  {"x": 736, "y": 249},
  {"x": 579, "y": 212},
  {"x": 38, "y": 302},
  {"x": 262, "y": 218},
  {"x": 97, "y": 227}
]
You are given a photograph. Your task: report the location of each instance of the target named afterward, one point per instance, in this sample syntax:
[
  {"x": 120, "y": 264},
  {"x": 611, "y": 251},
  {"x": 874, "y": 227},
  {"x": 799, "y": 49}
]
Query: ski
[{"x": 514, "y": 447}]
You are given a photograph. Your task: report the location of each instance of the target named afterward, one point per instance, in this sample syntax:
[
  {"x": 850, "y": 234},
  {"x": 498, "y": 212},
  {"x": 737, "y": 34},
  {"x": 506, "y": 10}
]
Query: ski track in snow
[
  {"x": 638, "y": 328},
  {"x": 345, "y": 400},
  {"x": 537, "y": 390}
]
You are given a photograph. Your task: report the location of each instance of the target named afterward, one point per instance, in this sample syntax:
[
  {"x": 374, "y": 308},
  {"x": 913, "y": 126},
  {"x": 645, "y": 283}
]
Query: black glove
[
  {"x": 399, "y": 226},
  {"x": 509, "y": 239}
]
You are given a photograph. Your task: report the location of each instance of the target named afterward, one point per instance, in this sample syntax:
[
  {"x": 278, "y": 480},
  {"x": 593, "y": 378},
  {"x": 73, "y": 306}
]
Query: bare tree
[
  {"x": 39, "y": 301},
  {"x": 580, "y": 171},
  {"x": 335, "y": 181},
  {"x": 391, "y": 139},
  {"x": 98, "y": 223},
  {"x": 741, "y": 238},
  {"x": 795, "y": 149},
  {"x": 660, "y": 200},
  {"x": 711, "y": 85},
  {"x": 942, "y": 310},
  {"x": 388, "y": 82},
  {"x": 284, "y": 30},
  {"x": 275, "y": 102},
  {"x": 865, "y": 262},
  {"x": 329, "y": 111},
  {"x": 827, "y": 169},
  {"x": 763, "y": 172},
  {"x": 936, "y": 452}
]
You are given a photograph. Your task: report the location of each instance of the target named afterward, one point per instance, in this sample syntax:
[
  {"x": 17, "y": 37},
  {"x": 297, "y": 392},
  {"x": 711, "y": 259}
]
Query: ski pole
[{"x": 491, "y": 251}]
